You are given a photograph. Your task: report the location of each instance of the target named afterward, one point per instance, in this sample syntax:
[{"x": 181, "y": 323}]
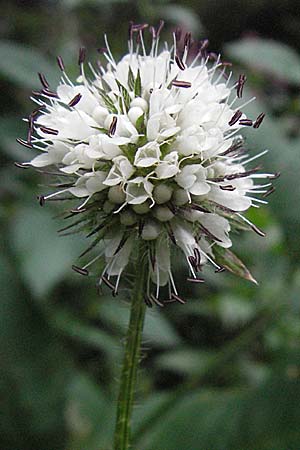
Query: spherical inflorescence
[{"x": 150, "y": 148}]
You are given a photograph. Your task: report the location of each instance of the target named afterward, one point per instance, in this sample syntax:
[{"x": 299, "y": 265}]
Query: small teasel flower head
[{"x": 149, "y": 148}]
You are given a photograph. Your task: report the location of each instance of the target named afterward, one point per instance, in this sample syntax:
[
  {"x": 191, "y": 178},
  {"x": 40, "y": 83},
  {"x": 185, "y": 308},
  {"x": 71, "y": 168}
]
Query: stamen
[
  {"x": 197, "y": 257},
  {"x": 24, "y": 143},
  {"x": 178, "y": 34},
  {"x": 241, "y": 174},
  {"x": 153, "y": 32},
  {"x": 43, "y": 80},
  {"x": 35, "y": 113},
  {"x": 148, "y": 301},
  {"x": 29, "y": 134},
  {"x": 160, "y": 27},
  {"x": 130, "y": 31},
  {"x": 254, "y": 227},
  {"x": 156, "y": 301},
  {"x": 177, "y": 298},
  {"x": 228, "y": 187},
  {"x": 170, "y": 233},
  {"x": 204, "y": 44},
  {"x": 269, "y": 192},
  {"x": 247, "y": 161},
  {"x": 209, "y": 234},
  {"x": 121, "y": 244},
  {"x": 41, "y": 199},
  {"x": 195, "y": 280},
  {"x": 259, "y": 120},
  {"x": 80, "y": 270},
  {"x": 199, "y": 208},
  {"x": 108, "y": 283},
  {"x": 274, "y": 176},
  {"x": 222, "y": 207},
  {"x": 246, "y": 122},
  {"x": 60, "y": 63},
  {"x": 179, "y": 63},
  {"x": 214, "y": 56},
  {"x": 21, "y": 165},
  {"x": 187, "y": 43},
  {"x": 172, "y": 282},
  {"x": 75, "y": 100},
  {"x": 48, "y": 130},
  {"x": 102, "y": 50},
  {"x": 77, "y": 211},
  {"x": 240, "y": 85},
  {"x": 113, "y": 126},
  {"x": 49, "y": 93},
  {"x": 139, "y": 27},
  {"x": 82, "y": 55},
  {"x": 234, "y": 119},
  {"x": 183, "y": 84},
  {"x": 226, "y": 64},
  {"x": 192, "y": 260}
]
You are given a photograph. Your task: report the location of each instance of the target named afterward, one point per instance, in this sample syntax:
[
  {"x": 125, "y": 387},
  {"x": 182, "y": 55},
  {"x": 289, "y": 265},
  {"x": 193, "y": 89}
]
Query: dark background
[{"x": 221, "y": 372}]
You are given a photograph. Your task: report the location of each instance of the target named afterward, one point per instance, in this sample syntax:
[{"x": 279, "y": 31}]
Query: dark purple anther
[
  {"x": 80, "y": 270},
  {"x": 179, "y": 63},
  {"x": 41, "y": 200},
  {"x": 240, "y": 85},
  {"x": 24, "y": 143},
  {"x": 246, "y": 122},
  {"x": 113, "y": 126},
  {"x": 82, "y": 55},
  {"x": 181, "y": 84},
  {"x": 43, "y": 80},
  {"x": 48, "y": 130},
  {"x": 75, "y": 100},
  {"x": 259, "y": 120},
  {"x": 60, "y": 63},
  {"x": 234, "y": 119},
  {"x": 269, "y": 192}
]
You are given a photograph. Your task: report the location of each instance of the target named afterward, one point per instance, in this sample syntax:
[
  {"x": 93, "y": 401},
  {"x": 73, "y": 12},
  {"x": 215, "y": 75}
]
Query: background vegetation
[{"x": 219, "y": 373}]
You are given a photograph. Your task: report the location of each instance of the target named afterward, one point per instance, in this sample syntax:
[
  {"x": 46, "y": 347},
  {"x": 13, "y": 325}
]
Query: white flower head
[{"x": 149, "y": 145}]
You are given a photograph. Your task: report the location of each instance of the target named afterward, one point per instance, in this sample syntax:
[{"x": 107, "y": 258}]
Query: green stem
[{"x": 131, "y": 356}]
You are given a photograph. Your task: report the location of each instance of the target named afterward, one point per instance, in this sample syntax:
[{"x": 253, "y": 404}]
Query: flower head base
[{"x": 151, "y": 149}]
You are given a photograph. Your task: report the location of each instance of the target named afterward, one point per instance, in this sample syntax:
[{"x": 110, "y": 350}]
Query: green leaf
[
  {"x": 35, "y": 370},
  {"x": 272, "y": 57},
  {"x": 91, "y": 336},
  {"x": 186, "y": 361},
  {"x": 184, "y": 15},
  {"x": 10, "y": 129},
  {"x": 20, "y": 64},
  {"x": 158, "y": 330},
  {"x": 264, "y": 418},
  {"x": 226, "y": 258},
  {"x": 234, "y": 310},
  {"x": 45, "y": 258},
  {"x": 89, "y": 415}
]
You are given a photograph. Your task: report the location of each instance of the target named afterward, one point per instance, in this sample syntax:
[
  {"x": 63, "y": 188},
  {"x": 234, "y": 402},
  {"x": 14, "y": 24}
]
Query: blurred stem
[{"x": 132, "y": 355}]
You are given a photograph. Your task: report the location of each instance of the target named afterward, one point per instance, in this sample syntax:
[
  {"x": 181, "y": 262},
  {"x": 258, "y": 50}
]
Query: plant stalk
[{"x": 131, "y": 356}]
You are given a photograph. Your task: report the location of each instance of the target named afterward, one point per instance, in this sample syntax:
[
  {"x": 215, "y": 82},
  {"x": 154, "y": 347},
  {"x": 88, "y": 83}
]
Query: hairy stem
[{"x": 131, "y": 356}]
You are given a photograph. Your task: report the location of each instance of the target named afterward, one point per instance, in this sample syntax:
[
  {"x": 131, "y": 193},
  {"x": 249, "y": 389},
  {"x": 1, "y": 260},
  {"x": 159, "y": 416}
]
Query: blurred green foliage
[{"x": 221, "y": 372}]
